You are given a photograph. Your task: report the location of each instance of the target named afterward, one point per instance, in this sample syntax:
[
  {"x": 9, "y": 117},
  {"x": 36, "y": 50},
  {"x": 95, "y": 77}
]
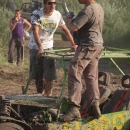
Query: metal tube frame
[{"x": 58, "y": 54}]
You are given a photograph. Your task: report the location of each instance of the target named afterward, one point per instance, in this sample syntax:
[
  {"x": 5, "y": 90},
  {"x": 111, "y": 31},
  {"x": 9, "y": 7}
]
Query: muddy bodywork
[
  {"x": 8, "y": 123},
  {"x": 37, "y": 113}
]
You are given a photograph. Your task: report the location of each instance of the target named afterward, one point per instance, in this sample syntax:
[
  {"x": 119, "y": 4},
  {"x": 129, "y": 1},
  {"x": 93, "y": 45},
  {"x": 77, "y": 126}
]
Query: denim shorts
[{"x": 42, "y": 67}]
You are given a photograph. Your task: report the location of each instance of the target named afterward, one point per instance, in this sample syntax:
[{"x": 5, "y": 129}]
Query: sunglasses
[{"x": 50, "y": 3}]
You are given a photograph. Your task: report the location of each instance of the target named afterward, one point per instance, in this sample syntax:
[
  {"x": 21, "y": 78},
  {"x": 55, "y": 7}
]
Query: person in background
[
  {"x": 17, "y": 39},
  {"x": 87, "y": 28},
  {"x": 44, "y": 22}
]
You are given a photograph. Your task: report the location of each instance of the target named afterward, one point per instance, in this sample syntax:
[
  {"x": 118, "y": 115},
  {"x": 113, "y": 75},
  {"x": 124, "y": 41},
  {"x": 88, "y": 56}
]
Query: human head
[
  {"x": 85, "y": 1},
  {"x": 50, "y": 5},
  {"x": 17, "y": 12}
]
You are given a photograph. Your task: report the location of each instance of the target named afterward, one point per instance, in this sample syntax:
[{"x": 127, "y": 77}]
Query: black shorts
[{"x": 44, "y": 67}]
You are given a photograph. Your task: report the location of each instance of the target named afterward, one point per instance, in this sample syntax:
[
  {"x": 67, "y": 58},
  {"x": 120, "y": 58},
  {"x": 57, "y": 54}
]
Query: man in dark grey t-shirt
[{"x": 87, "y": 28}]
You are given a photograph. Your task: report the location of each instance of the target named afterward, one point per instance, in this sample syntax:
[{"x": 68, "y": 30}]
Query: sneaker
[
  {"x": 94, "y": 110},
  {"x": 72, "y": 114}
]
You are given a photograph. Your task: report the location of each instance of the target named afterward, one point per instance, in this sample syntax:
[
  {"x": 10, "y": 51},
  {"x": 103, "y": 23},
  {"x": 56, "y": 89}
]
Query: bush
[
  {"x": 4, "y": 26},
  {"x": 12, "y": 4},
  {"x": 116, "y": 24},
  {"x": 19, "y": 3},
  {"x": 116, "y": 31}
]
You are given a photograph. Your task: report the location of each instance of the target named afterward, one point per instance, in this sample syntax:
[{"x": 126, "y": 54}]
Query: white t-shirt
[{"x": 48, "y": 25}]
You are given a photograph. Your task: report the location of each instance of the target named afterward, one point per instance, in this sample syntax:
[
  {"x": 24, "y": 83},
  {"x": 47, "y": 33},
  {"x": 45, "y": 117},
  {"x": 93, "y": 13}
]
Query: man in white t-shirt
[{"x": 44, "y": 22}]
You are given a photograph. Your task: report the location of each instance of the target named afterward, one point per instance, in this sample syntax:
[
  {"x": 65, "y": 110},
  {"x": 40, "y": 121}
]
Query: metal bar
[
  {"x": 117, "y": 51},
  {"x": 117, "y": 66},
  {"x": 115, "y": 57},
  {"x": 64, "y": 79},
  {"x": 69, "y": 57},
  {"x": 63, "y": 88},
  {"x": 113, "y": 48},
  {"x": 58, "y": 50},
  {"x": 60, "y": 55},
  {"x": 30, "y": 78},
  {"x": 105, "y": 54}
]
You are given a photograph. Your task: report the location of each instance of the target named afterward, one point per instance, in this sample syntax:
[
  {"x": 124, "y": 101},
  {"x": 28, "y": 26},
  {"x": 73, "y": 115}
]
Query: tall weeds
[
  {"x": 5, "y": 33},
  {"x": 4, "y": 26},
  {"x": 117, "y": 23}
]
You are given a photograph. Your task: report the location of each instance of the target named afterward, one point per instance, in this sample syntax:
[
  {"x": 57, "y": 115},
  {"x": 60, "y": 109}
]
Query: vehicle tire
[{"x": 10, "y": 126}]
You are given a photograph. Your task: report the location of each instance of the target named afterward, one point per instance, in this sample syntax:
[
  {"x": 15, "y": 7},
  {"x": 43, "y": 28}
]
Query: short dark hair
[
  {"x": 18, "y": 10},
  {"x": 45, "y": 1}
]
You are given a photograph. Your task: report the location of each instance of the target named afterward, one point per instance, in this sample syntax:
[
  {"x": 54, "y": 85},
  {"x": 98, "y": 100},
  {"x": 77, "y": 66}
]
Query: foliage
[
  {"x": 73, "y": 5},
  {"x": 4, "y": 25},
  {"x": 18, "y": 3},
  {"x": 11, "y": 3},
  {"x": 117, "y": 23},
  {"x": 3, "y": 2},
  {"x": 116, "y": 31}
]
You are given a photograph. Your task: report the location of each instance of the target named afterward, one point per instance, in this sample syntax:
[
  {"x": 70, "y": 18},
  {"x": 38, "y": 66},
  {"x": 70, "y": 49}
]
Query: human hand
[
  {"x": 70, "y": 15},
  {"x": 75, "y": 47},
  {"x": 16, "y": 19},
  {"x": 40, "y": 52}
]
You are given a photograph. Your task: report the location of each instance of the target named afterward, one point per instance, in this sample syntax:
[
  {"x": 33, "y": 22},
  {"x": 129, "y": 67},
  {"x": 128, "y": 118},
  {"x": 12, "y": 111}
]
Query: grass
[
  {"x": 2, "y": 58},
  {"x": 12, "y": 67}
]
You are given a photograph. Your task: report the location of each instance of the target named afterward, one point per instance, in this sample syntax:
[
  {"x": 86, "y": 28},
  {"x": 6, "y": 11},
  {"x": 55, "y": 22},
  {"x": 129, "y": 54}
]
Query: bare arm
[
  {"x": 35, "y": 29},
  {"x": 12, "y": 25},
  {"x": 28, "y": 25},
  {"x": 68, "y": 35}
]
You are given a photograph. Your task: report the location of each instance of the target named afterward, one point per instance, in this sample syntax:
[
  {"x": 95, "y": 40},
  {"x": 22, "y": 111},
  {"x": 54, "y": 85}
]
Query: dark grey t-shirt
[{"x": 89, "y": 22}]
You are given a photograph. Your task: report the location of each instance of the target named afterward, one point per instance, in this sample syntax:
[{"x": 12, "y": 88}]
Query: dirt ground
[{"x": 12, "y": 78}]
